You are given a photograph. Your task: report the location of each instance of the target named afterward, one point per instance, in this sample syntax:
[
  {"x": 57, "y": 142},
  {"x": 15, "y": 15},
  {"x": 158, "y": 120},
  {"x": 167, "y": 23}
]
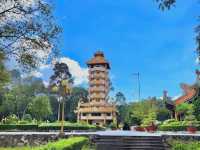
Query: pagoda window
[
  {"x": 96, "y": 114},
  {"x": 84, "y": 114},
  {"x": 108, "y": 114}
]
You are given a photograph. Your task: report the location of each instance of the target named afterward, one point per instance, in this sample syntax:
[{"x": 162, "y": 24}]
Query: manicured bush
[
  {"x": 67, "y": 126},
  {"x": 74, "y": 143},
  {"x": 12, "y": 119},
  {"x": 23, "y": 125},
  {"x": 172, "y": 128},
  {"x": 18, "y": 127}
]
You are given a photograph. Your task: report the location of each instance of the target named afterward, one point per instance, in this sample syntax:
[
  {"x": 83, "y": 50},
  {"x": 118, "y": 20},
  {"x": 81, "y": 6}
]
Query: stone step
[
  {"x": 129, "y": 143},
  {"x": 109, "y": 147}
]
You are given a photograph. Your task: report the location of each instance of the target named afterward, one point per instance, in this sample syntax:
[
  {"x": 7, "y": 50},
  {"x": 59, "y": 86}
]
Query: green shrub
[
  {"x": 74, "y": 143},
  {"x": 18, "y": 127},
  {"x": 12, "y": 119},
  {"x": 67, "y": 126},
  {"x": 172, "y": 128},
  {"x": 112, "y": 125},
  {"x": 27, "y": 117},
  {"x": 23, "y": 122},
  {"x": 185, "y": 145},
  {"x": 149, "y": 119}
]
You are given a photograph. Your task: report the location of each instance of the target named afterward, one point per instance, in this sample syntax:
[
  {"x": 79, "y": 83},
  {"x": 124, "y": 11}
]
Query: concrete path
[{"x": 106, "y": 133}]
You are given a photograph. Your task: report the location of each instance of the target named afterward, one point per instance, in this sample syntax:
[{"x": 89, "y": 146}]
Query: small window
[
  {"x": 108, "y": 114},
  {"x": 96, "y": 114},
  {"x": 84, "y": 114}
]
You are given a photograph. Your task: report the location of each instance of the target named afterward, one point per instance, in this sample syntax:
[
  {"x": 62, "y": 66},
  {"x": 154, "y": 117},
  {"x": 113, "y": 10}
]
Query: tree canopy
[{"x": 28, "y": 32}]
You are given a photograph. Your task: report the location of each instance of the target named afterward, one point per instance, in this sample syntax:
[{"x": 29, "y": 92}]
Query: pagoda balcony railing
[
  {"x": 97, "y": 89},
  {"x": 98, "y": 76},
  {"x": 98, "y": 69},
  {"x": 98, "y": 82},
  {"x": 94, "y": 96},
  {"x": 96, "y": 117}
]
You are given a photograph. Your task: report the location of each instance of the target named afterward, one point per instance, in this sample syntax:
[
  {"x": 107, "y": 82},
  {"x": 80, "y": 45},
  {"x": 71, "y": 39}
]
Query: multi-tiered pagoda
[{"x": 97, "y": 111}]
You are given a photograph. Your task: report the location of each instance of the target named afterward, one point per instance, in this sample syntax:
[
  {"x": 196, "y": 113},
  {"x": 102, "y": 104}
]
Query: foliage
[
  {"x": 40, "y": 107},
  {"x": 113, "y": 125},
  {"x": 7, "y": 127},
  {"x": 27, "y": 117},
  {"x": 73, "y": 143},
  {"x": 4, "y": 75},
  {"x": 185, "y": 145},
  {"x": 77, "y": 94},
  {"x": 17, "y": 98},
  {"x": 60, "y": 78},
  {"x": 28, "y": 32},
  {"x": 196, "y": 107},
  {"x": 150, "y": 119},
  {"x": 122, "y": 107},
  {"x": 120, "y": 99},
  {"x": 166, "y": 4},
  {"x": 67, "y": 126},
  {"x": 172, "y": 128},
  {"x": 163, "y": 114},
  {"x": 12, "y": 119},
  {"x": 184, "y": 109}
]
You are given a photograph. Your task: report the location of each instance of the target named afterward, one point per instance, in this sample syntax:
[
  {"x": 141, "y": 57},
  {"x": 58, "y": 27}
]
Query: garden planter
[
  {"x": 151, "y": 128},
  {"x": 192, "y": 130},
  {"x": 140, "y": 129}
]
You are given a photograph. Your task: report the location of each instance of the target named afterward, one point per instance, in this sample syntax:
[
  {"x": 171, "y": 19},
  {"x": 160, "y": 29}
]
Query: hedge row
[
  {"x": 46, "y": 127},
  {"x": 18, "y": 127},
  {"x": 174, "y": 128},
  {"x": 74, "y": 143}
]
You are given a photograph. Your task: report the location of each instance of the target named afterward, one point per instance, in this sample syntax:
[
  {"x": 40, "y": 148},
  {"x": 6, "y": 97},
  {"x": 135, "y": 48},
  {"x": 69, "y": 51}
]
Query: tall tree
[
  {"x": 120, "y": 101},
  {"x": 4, "y": 75},
  {"x": 77, "y": 94},
  {"x": 40, "y": 108},
  {"x": 28, "y": 32},
  {"x": 58, "y": 82}
]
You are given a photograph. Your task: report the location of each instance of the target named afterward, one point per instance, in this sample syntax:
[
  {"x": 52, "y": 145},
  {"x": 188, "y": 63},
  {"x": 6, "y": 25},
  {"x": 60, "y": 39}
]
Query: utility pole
[{"x": 139, "y": 85}]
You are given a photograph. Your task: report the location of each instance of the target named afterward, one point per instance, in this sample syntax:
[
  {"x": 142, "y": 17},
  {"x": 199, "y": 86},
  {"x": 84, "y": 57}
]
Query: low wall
[{"x": 11, "y": 140}]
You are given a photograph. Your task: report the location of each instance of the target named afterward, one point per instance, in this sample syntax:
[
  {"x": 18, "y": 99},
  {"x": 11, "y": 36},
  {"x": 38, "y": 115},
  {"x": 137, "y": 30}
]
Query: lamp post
[
  {"x": 139, "y": 86},
  {"x": 66, "y": 90}
]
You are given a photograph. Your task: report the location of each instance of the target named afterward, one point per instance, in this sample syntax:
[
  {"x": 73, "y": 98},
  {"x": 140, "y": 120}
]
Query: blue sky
[{"x": 135, "y": 37}]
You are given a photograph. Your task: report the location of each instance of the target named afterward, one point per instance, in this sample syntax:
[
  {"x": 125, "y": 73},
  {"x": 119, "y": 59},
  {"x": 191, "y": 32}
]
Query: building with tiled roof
[
  {"x": 190, "y": 93},
  {"x": 97, "y": 111}
]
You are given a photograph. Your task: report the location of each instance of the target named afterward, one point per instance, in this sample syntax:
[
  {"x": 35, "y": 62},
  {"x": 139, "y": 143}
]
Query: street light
[
  {"x": 66, "y": 90},
  {"x": 139, "y": 86}
]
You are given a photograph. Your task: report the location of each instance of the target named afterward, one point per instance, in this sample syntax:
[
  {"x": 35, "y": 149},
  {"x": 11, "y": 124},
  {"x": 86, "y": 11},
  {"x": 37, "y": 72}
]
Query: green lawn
[{"x": 74, "y": 143}]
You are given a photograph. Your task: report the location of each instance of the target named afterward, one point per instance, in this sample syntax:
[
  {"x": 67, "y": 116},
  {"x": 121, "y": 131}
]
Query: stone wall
[{"x": 11, "y": 140}]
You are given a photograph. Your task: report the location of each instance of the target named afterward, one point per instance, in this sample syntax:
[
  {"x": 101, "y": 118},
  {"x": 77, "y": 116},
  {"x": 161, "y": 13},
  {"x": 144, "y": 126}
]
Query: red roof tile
[{"x": 189, "y": 93}]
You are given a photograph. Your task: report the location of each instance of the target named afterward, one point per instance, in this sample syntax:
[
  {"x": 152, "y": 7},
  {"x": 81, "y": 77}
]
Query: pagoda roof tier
[
  {"x": 189, "y": 93},
  {"x": 98, "y": 59}
]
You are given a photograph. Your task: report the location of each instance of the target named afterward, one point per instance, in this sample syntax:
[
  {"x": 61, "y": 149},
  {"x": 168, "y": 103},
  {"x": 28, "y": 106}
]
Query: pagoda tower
[{"x": 97, "y": 111}]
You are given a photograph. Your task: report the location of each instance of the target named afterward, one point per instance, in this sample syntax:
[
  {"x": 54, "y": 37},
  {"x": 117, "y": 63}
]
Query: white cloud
[
  {"x": 177, "y": 96},
  {"x": 80, "y": 74},
  {"x": 46, "y": 83},
  {"x": 44, "y": 66},
  {"x": 36, "y": 74}
]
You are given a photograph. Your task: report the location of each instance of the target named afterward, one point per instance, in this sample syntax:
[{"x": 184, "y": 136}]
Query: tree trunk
[{"x": 58, "y": 111}]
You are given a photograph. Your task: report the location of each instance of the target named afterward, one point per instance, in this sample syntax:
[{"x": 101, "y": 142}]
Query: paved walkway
[{"x": 107, "y": 133}]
